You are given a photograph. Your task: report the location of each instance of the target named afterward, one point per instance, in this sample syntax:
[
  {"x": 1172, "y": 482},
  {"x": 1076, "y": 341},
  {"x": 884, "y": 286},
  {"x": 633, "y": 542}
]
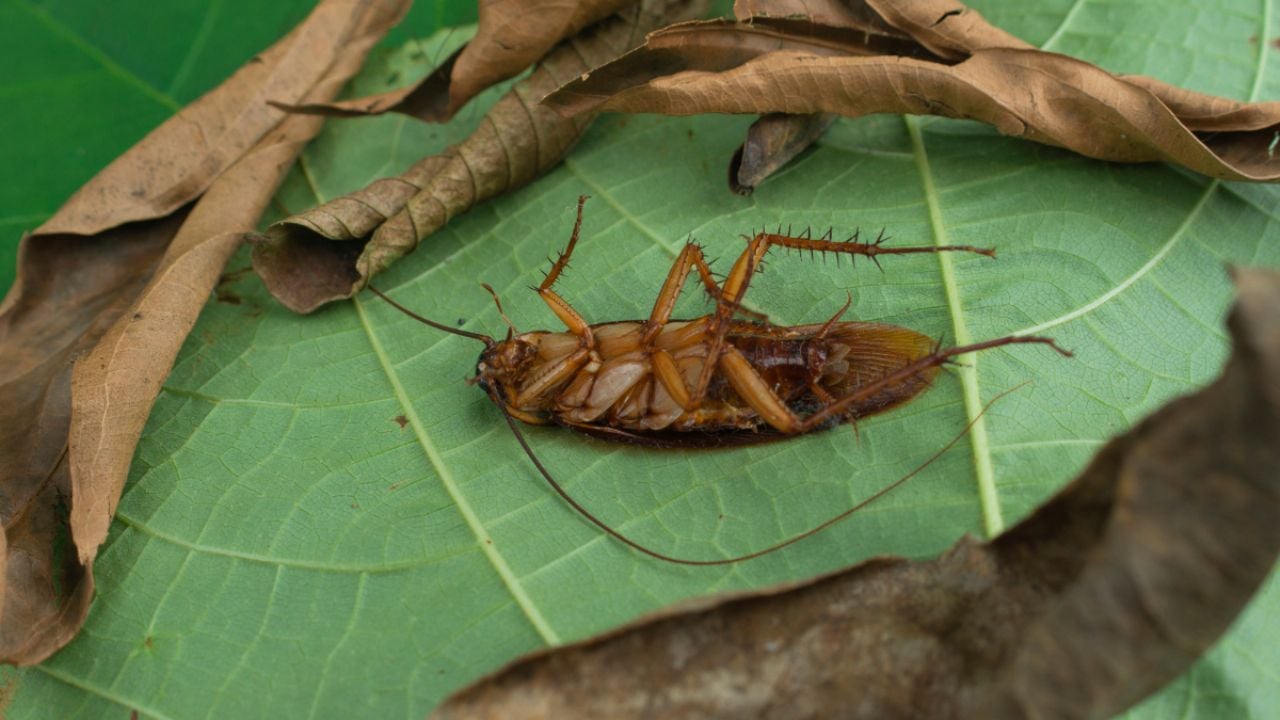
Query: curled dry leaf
[
  {"x": 69, "y": 290},
  {"x": 1102, "y": 595},
  {"x": 329, "y": 252},
  {"x": 511, "y": 36},
  {"x": 967, "y": 69},
  {"x": 117, "y": 305},
  {"x": 772, "y": 141}
]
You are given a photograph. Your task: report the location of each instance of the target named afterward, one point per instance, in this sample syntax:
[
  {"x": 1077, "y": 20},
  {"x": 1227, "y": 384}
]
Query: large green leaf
[{"x": 286, "y": 548}]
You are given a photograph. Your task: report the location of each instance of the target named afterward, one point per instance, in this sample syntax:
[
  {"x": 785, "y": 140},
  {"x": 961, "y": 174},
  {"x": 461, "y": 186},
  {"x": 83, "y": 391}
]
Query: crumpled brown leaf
[
  {"x": 1106, "y": 592},
  {"x": 511, "y": 35},
  {"x": 969, "y": 70},
  {"x": 331, "y": 251},
  {"x": 117, "y": 303}
]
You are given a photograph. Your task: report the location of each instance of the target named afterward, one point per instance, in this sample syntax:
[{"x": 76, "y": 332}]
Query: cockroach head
[{"x": 505, "y": 363}]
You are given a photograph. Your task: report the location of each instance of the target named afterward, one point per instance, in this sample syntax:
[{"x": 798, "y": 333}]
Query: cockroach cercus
[{"x": 726, "y": 379}]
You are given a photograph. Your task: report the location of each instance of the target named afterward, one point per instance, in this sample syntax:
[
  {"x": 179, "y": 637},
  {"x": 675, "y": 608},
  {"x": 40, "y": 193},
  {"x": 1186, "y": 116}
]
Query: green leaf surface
[{"x": 285, "y": 548}]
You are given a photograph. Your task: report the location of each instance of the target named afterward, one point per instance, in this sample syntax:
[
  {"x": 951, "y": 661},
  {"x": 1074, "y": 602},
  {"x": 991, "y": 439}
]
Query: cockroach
[{"x": 729, "y": 378}]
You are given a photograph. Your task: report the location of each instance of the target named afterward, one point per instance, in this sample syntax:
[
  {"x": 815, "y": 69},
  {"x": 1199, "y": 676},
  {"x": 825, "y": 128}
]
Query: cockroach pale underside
[{"x": 725, "y": 379}]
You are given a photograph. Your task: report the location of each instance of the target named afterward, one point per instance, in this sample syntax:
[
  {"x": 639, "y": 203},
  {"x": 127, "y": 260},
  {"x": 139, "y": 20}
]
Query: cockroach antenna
[
  {"x": 488, "y": 341},
  {"x": 634, "y": 545},
  {"x": 511, "y": 328}
]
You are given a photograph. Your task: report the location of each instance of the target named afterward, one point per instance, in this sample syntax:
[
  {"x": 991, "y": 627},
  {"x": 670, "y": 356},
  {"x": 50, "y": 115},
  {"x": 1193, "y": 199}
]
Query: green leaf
[{"x": 286, "y": 548}]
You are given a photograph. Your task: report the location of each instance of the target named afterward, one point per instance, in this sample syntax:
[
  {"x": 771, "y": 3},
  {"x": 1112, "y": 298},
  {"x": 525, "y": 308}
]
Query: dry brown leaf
[
  {"x": 1045, "y": 97},
  {"x": 511, "y": 35},
  {"x": 948, "y": 28},
  {"x": 772, "y": 141},
  {"x": 329, "y": 252},
  {"x": 128, "y": 296},
  {"x": 843, "y": 14},
  {"x": 68, "y": 291},
  {"x": 1105, "y": 593},
  {"x": 776, "y": 139}
]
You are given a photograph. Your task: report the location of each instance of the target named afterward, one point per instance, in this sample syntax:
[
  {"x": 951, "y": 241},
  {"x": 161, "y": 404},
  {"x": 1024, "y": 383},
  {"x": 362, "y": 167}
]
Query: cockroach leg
[
  {"x": 554, "y": 376},
  {"x": 826, "y": 327},
  {"x": 563, "y": 260},
  {"x": 563, "y": 310},
  {"x": 854, "y": 246},
  {"x": 690, "y": 258},
  {"x": 747, "y": 383},
  {"x": 570, "y": 317},
  {"x": 732, "y": 291},
  {"x": 667, "y": 373}
]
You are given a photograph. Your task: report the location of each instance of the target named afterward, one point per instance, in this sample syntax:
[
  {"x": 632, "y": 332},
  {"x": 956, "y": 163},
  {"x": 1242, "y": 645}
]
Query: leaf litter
[
  {"x": 1106, "y": 592},
  {"x": 330, "y": 252},
  {"x": 108, "y": 289},
  {"x": 825, "y": 56},
  {"x": 512, "y": 35}
]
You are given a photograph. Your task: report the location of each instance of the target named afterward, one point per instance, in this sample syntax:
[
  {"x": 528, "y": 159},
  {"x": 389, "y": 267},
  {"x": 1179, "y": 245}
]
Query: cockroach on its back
[{"x": 650, "y": 381}]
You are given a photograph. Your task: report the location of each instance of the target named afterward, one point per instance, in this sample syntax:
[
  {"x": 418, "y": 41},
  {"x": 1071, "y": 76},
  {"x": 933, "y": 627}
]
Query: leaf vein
[{"x": 984, "y": 470}]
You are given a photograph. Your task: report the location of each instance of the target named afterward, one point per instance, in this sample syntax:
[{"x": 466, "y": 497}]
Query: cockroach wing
[{"x": 860, "y": 353}]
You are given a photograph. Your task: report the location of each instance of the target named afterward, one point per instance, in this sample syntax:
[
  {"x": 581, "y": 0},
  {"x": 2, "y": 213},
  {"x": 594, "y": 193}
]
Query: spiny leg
[
  {"x": 732, "y": 291},
  {"x": 854, "y": 246},
  {"x": 664, "y": 366},
  {"x": 572, "y": 363},
  {"x": 736, "y": 283},
  {"x": 690, "y": 258},
  {"x": 563, "y": 310},
  {"x": 562, "y": 261}
]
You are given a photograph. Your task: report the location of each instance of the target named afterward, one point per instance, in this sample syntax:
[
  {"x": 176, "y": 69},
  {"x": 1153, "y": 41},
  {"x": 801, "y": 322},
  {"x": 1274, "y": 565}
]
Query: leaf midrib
[
  {"x": 967, "y": 369},
  {"x": 483, "y": 538},
  {"x": 984, "y": 469}
]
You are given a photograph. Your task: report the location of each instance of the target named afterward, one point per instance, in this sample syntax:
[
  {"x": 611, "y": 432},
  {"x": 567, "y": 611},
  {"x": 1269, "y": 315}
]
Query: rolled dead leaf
[
  {"x": 511, "y": 35},
  {"x": 126, "y": 296},
  {"x": 772, "y": 141},
  {"x": 969, "y": 70},
  {"x": 517, "y": 141},
  {"x": 1105, "y": 593}
]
